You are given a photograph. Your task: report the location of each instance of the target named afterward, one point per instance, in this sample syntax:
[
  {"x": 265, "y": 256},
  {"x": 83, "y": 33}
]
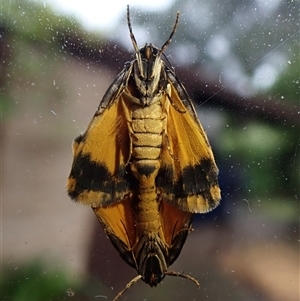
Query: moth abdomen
[{"x": 146, "y": 127}]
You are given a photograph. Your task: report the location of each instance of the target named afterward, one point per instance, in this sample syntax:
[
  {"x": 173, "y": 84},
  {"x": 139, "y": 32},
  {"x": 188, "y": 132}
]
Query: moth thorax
[{"x": 147, "y": 73}]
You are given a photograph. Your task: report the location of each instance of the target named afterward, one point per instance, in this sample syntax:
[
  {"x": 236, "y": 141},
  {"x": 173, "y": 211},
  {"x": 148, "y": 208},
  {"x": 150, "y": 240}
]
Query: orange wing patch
[
  {"x": 176, "y": 225},
  {"x": 118, "y": 223},
  {"x": 98, "y": 176}
]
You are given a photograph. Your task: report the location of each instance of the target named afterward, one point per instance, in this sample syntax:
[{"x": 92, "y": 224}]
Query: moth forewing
[
  {"x": 190, "y": 180},
  {"x": 182, "y": 100},
  {"x": 114, "y": 90},
  {"x": 98, "y": 175}
]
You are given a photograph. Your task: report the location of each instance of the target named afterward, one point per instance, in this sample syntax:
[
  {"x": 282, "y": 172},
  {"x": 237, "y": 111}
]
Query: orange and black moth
[{"x": 145, "y": 165}]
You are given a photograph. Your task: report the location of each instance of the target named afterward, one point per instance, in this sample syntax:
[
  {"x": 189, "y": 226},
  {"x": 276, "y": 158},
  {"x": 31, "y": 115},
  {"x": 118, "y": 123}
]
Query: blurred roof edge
[{"x": 114, "y": 56}]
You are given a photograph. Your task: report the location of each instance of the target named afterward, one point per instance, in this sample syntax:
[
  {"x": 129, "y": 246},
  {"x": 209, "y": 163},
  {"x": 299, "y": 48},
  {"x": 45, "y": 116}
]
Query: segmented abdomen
[{"x": 147, "y": 126}]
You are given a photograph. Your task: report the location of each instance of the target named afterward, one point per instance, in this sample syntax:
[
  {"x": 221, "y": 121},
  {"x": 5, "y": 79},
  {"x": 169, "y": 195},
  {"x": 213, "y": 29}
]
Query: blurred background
[{"x": 239, "y": 60}]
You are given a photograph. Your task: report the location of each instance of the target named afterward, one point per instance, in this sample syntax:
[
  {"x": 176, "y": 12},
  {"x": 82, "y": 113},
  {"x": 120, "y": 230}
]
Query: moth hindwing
[{"x": 145, "y": 165}]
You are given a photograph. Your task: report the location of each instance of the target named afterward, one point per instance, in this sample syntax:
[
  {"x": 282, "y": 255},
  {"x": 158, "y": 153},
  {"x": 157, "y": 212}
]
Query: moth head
[
  {"x": 148, "y": 70},
  {"x": 151, "y": 259}
]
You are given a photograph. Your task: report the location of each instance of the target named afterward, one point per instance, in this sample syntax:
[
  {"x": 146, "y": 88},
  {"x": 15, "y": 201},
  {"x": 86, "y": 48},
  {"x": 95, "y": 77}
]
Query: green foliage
[
  {"x": 33, "y": 21},
  {"x": 268, "y": 157},
  {"x": 35, "y": 282}
]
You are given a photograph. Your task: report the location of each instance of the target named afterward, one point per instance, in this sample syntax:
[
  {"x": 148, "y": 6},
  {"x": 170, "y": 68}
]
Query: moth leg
[
  {"x": 178, "y": 274},
  {"x": 131, "y": 246},
  {"x": 167, "y": 143},
  {"x": 130, "y": 145},
  {"x": 129, "y": 285},
  {"x": 173, "y": 104},
  {"x": 188, "y": 229}
]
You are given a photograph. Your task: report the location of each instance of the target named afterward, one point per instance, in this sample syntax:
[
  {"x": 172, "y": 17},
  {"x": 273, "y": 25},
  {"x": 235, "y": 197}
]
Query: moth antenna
[
  {"x": 134, "y": 43},
  {"x": 164, "y": 46},
  {"x": 177, "y": 274},
  {"x": 128, "y": 285},
  {"x": 133, "y": 40}
]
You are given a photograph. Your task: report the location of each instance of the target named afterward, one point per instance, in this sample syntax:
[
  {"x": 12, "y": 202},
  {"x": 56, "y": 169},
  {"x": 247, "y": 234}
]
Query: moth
[{"x": 145, "y": 165}]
